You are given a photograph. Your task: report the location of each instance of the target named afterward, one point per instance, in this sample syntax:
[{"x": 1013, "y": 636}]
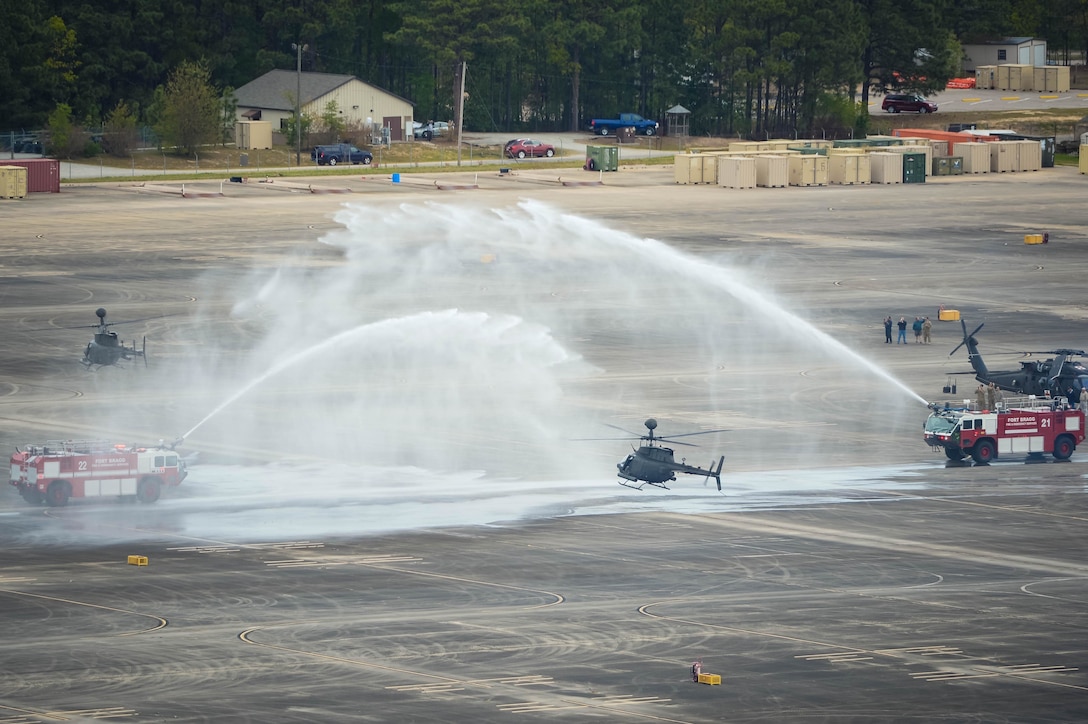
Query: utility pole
[
  {"x": 461, "y": 109},
  {"x": 299, "y": 47}
]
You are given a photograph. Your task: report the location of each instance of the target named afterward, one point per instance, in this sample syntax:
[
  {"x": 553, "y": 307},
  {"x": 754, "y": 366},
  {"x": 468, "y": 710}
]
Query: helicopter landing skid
[{"x": 640, "y": 485}]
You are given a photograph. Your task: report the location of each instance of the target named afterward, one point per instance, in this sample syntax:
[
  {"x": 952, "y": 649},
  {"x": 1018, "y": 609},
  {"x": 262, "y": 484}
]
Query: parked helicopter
[
  {"x": 653, "y": 464},
  {"x": 1035, "y": 377}
]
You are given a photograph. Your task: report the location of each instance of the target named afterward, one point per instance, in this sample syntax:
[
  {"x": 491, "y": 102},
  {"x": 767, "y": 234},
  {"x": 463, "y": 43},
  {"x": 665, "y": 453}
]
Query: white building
[{"x": 272, "y": 98}]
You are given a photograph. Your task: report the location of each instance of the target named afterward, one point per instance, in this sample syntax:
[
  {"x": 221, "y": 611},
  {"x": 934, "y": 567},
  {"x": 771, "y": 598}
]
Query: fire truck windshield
[{"x": 941, "y": 424}]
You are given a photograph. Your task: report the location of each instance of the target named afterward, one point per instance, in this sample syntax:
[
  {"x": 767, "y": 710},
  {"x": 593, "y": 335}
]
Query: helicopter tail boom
[{"x": 973, "y": 355}]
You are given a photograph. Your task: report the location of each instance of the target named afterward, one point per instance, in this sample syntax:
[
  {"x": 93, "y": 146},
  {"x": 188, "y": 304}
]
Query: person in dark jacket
[
  {"x": 902, "y": 324},
  {"x": 917, "y": 327},
  {"x": 888, "y": 329}
]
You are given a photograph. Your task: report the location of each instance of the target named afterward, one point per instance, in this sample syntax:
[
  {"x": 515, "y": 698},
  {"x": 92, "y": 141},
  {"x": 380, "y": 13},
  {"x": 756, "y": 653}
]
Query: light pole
[{"x": 298, "y": 47}]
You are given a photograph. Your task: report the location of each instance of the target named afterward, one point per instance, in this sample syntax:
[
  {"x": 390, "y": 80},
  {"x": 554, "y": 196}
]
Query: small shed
[{"x": 676, "y": 121}]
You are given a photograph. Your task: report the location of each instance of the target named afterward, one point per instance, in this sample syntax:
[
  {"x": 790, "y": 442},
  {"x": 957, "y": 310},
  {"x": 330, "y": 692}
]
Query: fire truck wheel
[
  {"x": 148, "y": 491},
  {"x": 31, "y": 495},
  {"x": 984, "y": 451},
  {"x": 57, "y": 494},
  {"x": 1063, "y": 447},
  {"x": 953, "y": 453}
]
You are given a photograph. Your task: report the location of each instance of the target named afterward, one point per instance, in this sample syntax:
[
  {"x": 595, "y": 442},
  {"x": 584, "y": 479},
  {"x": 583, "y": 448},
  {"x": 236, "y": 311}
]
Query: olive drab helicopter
[
  {"x": 106, "y": 348},
  {"x": 1052, "y": 376},
  {"x": 653, "y": 464}
]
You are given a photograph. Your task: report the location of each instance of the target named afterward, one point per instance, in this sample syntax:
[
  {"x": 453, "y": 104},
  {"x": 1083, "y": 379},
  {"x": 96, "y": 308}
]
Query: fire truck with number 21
[
  {"x": 55, "y": 472},
  {"x": 1027, "y": 428}
]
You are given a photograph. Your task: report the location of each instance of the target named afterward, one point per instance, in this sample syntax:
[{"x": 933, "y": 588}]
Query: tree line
[{"x": 753, "y": 67}]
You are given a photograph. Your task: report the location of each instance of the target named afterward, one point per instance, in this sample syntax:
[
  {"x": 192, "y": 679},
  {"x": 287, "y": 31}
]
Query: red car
[{"x": 522, "y": 147}]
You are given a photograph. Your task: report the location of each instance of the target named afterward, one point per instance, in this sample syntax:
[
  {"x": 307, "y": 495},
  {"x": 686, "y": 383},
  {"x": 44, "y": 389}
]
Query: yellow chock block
[
  {"x": 1033, "y": 238},
  {"x": 137, "y": 560},
  {"x": 948, "y": 315},
  {"x": 712, "y": 679}
]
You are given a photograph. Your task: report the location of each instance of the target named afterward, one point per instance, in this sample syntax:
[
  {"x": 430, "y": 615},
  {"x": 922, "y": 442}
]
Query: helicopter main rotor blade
[
  {"x": 617, "y": 427},
  {"x": 590, "y": 439},
  {"x": 689, "y": 434},
  {"x": 103, "y": 324}
]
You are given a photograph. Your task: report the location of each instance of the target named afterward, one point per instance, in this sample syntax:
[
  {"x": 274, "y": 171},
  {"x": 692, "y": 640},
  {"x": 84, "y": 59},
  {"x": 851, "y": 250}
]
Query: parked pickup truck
[
  {"x": 340, "y": 153},
  {"x": 608, "y": 126}
]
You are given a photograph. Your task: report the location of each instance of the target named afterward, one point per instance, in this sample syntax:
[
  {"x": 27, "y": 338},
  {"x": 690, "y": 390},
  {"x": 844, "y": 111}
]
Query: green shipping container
[
  {"x": 602, "y": 158},
  {"x": 914, "y": 168}
]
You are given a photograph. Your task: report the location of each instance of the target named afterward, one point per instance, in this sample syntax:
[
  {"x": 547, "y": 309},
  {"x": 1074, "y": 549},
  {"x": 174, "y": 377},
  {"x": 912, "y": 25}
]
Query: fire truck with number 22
[
  {"x": 55, "y": 472},
  {"x": 1031, "y": 428}
]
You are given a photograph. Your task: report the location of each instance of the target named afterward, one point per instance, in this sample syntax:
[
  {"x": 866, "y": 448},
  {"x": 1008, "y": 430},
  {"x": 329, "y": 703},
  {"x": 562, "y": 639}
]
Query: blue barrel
[{"x": 396, "y": 178}]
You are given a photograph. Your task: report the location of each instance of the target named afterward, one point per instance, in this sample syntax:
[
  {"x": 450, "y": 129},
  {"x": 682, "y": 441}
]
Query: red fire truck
[
  {"x": 1029, "y": 427},
  {"x": 56, "y": 471}
]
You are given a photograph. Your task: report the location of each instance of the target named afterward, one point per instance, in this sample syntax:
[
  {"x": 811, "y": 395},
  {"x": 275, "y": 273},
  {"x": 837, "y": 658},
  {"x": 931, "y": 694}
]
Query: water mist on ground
[{"x": 471, "y": 344}]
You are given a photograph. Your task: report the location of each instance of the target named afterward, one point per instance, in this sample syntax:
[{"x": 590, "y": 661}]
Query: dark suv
[
  {"x": 896, "y": 102},
  {"x": 340, "y": 153}
]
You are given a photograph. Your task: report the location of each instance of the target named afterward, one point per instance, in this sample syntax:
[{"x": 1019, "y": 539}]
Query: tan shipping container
[
  {"x": 1052, "y": 79},
  {"x": 737, "y": 172},
  {"x": 848, "y": 169},
  {"x": 808, "y": 170},
  {"x": 710, "y": 168},
  {"x": 976, "y": 156},
  {"x": 1004, "y": 156},
  {"x": 986, "y": 77},
  {"x": 1015, "y": 77},
  {"x": 1057, "y": 78},
  {"x": 13, "y": 182},
  {"x": 253, "y": 135},
  {"x": 748, "y": 146},
  {"x": 1030, "y": 155},
  {"x": 687, "y": 169},
  {"x": 885, "y": 167},
  {"x": 940, "y": 148},
  {"x": 1083, "y": 158},
  {"x": 772, "y": 171}
]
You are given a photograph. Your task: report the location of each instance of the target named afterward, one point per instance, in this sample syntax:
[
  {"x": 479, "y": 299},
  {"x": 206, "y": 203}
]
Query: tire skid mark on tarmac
[
  {"x": 449, "y": 684},
  {"x": 162, "y": 622},
  {"x": 867, "y": 540}
]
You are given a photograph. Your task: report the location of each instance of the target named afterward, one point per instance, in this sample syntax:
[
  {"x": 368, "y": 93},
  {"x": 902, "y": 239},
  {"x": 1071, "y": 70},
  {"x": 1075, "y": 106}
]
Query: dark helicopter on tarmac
[
  {"x": 653, "y": 464},
  {"x": 1051, "y": 377},
  {"x": 105, "y": 348}
]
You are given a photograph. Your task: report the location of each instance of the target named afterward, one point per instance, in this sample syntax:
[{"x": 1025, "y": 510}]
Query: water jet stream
[{"x": 729, "y": 281}]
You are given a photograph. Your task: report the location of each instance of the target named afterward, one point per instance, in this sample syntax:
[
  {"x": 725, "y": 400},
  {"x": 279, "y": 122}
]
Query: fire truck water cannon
[
  {"x": 58, "y": 471},
  {"x": 1027, "y": 427}
]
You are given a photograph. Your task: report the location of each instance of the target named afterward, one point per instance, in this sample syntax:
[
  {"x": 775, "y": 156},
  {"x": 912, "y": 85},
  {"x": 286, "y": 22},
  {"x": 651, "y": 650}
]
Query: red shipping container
[{"x": 42, "y": 174}]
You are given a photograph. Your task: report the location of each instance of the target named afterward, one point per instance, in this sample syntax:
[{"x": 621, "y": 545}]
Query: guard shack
[{"x": 677, "y": 119}]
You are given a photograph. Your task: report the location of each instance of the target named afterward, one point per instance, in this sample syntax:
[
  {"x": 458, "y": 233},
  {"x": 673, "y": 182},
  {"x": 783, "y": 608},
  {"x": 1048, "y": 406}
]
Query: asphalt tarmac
[{"x": 846, "y": 574}]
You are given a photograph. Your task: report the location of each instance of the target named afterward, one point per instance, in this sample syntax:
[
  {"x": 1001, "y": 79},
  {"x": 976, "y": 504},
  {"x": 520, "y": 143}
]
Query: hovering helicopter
[
  {"x": 1035, "y": 377},
  {"x": 653, "y": 464},
  {"x": 106, "y": 348}
]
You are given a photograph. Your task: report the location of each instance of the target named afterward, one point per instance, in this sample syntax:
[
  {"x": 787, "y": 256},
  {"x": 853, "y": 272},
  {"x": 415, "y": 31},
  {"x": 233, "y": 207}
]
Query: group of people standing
[
  {"x": 921, "y": 328},
  {"x": 988, "y": 396}
]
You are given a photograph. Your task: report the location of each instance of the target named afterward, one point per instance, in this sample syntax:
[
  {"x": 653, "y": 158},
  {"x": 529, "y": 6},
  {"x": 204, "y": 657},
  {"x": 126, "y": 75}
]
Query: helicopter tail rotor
[
  {"x": 718, "y": 473},
  {"x": 143, "y": 351},
  {"x": 966, "y": 337}
]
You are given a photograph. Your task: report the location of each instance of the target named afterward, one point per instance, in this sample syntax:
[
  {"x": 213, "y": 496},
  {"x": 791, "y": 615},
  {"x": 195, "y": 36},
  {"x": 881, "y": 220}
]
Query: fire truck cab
[
  {"x": 1027, "y": 427},
  {"x": 55, "y": 472}
]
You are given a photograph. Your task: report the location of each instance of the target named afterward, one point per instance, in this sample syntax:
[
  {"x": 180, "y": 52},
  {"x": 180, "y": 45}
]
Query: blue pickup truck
[
  {"x": 609, "y": 126},
  {"x": 340, "y": 153}
]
